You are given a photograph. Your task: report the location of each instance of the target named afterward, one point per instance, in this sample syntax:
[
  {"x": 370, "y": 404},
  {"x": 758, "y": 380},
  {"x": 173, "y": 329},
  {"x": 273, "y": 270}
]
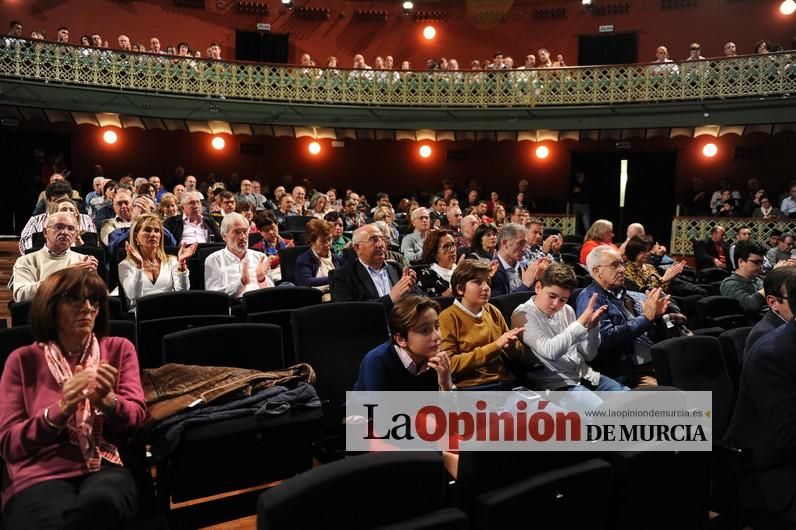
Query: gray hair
[
  {"x": 418, "y": 211},
  {"x": 230, "y": 219},
  {"x": 187, "y": 196},
  {"x": 381, "y": 225},
  {"x": 512, "y": 231},
  {"x": 595, "y": 257}
]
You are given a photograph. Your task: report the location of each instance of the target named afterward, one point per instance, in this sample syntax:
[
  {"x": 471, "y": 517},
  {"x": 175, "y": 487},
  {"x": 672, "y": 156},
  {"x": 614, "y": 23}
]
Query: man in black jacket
[
  {"x": 192, "y": 226},
  {"x": 764, "y": 424},
  {"x": 370, "y": 277},
  {"x": 774, "y": 287},
  {"x": 712, "y": 252}
]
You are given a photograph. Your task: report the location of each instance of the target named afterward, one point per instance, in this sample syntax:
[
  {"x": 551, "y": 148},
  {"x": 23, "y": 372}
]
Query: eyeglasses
[
  {"x": 448, "y": 246},
  {"x": 755, "y": 261},
  {"x": 195, "y": 201},
  {"x": 60, "y": 227},
  {"x": 374, "y": 240},
  {"x": 614, "y": 265},
  {"x": 79, "y": 300}
]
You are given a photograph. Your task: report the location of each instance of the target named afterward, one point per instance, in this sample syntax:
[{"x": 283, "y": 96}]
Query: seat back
[
  {"x": 196, "y": 264},
  {"x": 415, "y": 487},
  {"x": 710, "y": 308},
  {"x": 150, "y": 333},
  {"x": 712, "y": 274},
  {"x": 11, "y": 339},
  {"x": 252, "y": 346},
  {"x": 281, "y": 318},
  {"x": 444, "y": 301},
  {"x": 507, "y": 303},
  {"x": 123, "y": 328},
  {"x": 550, "y": 496},
  {"x": 334, "y": 338},
  {"x": 181, "y": 303},
  {"x": 282, "y": 298},
  {"x": 297, "y": 223},
  {"x": 733, "y": 343},
  {"x": 287, "y": 261},
  {"x": 19, "y": 312},
  {"x": 697, "y": 363}
]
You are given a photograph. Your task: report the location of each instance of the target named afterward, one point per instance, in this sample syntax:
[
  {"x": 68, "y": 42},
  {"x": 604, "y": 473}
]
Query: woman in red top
[
  {"x": 601, "y": 232},
  {"x": 65, "y": 403}
]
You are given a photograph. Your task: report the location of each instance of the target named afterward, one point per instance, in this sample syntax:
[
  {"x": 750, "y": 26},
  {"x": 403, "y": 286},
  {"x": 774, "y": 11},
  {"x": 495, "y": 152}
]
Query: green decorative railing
[
  {"x": 747, "y": 76},
  {"x": 686, "y": 229}
]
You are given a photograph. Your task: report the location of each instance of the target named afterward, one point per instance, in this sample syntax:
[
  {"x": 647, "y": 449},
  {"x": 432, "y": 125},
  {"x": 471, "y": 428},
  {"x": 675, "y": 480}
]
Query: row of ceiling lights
[{"x": 541, "y": 152}]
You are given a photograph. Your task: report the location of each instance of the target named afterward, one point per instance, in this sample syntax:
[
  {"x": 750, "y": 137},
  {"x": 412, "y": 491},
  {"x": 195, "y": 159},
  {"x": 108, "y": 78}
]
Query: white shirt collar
[{"x": 461, "y": 306}]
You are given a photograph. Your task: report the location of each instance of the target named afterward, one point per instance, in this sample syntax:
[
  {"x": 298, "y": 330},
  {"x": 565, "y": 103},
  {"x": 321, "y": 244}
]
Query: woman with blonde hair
[
  {"x": 601, "y": 232},
  {"x": 386, "y": 214},
  {"x": 168, "y": 206},
  {"x": 147, "y": 268}
]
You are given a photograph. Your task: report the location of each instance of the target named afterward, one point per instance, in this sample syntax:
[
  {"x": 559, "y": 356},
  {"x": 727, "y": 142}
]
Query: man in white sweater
[
  {"x": 563, "y": 343},
  {"x": 60, "y": 230}
]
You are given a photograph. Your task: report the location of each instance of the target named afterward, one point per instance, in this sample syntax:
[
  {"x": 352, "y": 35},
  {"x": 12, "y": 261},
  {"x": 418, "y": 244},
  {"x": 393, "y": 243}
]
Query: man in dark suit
[
  {"x": 763, "y": 421},
  {"x": 779, "y": 311},
  {"x": 712, "y": 252},
  {"x": 192, "y": 226},
  {"x": 510, "y": 277},
  {"x": 370, "y": 277}
]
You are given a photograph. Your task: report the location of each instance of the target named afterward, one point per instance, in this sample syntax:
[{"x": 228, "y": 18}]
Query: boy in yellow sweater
[{"x": 474, "y": 332}]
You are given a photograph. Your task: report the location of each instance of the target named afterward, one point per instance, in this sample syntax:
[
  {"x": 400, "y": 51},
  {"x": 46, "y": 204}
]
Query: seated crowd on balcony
[{"x": 499, "y": 61}]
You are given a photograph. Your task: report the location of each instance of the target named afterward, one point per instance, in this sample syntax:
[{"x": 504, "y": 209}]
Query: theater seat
[
  {"x": 282, "y": 298},
  {"x": 507, "y": 303},
  {"x": 252, "y": 346},
  {"x": 386, "y": 490}
]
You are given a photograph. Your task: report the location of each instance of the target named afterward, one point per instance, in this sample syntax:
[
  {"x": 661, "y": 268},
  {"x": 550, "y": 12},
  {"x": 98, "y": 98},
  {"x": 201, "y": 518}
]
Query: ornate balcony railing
[
  {"x": 747, "y": 76},
  {"x": 686, "y": 229}
]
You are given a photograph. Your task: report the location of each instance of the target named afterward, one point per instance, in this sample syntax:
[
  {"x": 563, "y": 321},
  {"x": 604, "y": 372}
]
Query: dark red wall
[
  {"x": 371, "y": 166},
  {"x": 462, "y": 36}
]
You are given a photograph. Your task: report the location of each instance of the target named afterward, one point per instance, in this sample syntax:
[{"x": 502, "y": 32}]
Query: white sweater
[
  {"x": 137, "y": 284},
  {"x": 31, "y": 269},
  {"x": 562, "y": 344}
]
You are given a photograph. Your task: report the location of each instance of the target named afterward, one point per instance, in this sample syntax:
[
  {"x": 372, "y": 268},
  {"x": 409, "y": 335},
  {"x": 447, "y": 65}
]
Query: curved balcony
[
  {"x": 686, "y": 229},
  {"x": 518, "y": 95}
]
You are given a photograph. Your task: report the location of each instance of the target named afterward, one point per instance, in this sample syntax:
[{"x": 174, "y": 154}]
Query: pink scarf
[{"x": 85, "y": 425}]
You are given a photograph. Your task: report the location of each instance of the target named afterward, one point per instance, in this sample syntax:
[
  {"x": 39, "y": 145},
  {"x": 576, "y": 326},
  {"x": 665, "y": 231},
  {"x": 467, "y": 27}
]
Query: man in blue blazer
[{"x": 510, "y": 277}]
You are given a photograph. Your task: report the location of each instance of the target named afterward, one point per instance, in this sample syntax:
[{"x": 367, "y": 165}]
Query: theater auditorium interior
[{"x": 275, "y": 202}]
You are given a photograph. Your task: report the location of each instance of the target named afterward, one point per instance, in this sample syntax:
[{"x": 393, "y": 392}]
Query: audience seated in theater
[
  {"x": 438, "y": 212},
  {"x": 728, "y": 205},
  {"x": 762, "y": 422},
  {"x": 625, "y": 326},
  {"x": 766, "y": 210},
  {"x": 190, "y": 185},
  {"x": 412, "y": 244},
  {"x": 228, "y": 203},
  {"x": 313, "y": 266},
  {"x": 105, "y": 210},
  {"x": 247, "y": 194},
  {"x": 147, "y": 268},
  {"x": 192, "y": 226},
  {"x": 339, "y": 240},
  {"x": 510, "y": 276},
  {"x": 169, "y": 206},
  {"x": 773, "y": 238},
  {"x": 788, "y": 207},
  {"x": 246, "y": 209},
  {"x": 439, "y": 253},
  {"x": 411, "y": 359},
  {"x": 562, "y": 342},
  {"x": 474, "y": 333},
  {"x": 272, "y": 242},
  {"x": 41, "y": 204},
  {"x": 391, "y": 255},
  {"x": 141, "y": 205},
  {"x": 60, "y": 230},
  {"x": 59, "y": 189},
  {"x": 717, "y": 199},
  {"x": 468, "y": 224},
  {"x": 641, "y": 275},
  {"x": 485, "y": 242},
  {"x": 84, "y": 237},
  {"x": 783, "y": 250},
  {"x": 370, "y": 277},
  {"x": 453, "y": 219},
  {"x": 549, "y": 249},
  {"x": 601, "y": 232},
  {"x": 385, "y": 214},
  {"x": 712, "y": 252},
  {"x": 123, "y": 209},
  {"x": 69, "y": 401},
  {"x": 658, "y": 255},
  {"x": 235, "y": 269},
  {"x": 745, "y": 284},
  {"x": 300, "y": 198},
  {"x": 775, "y": 290},
  {"x": 286, "y": 204},
  {"x": 742, "y": 233},
  {"x": 96, "y": 197}
]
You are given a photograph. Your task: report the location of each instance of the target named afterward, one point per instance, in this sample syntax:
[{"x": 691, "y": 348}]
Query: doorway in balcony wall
[
  {"x": 612, "y": 48},
  {"x": 261, "y": 46},
  {"x": 649, "y": 195}
]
